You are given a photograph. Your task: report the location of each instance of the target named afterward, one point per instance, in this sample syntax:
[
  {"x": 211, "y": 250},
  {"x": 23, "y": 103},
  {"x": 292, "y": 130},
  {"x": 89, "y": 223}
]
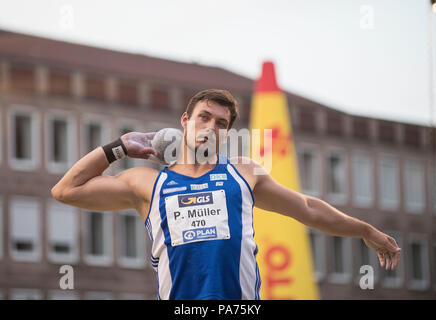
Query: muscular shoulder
[
  {"x": 250, "y": 169},
  {"x": 141, "y": 180}
]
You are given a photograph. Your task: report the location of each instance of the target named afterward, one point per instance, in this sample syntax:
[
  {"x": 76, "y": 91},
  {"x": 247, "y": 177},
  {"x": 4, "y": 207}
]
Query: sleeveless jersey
[{"x": 202, "y": 235}]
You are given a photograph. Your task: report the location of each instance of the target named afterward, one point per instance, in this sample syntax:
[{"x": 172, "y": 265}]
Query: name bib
[{"x": 200, "y": 216}]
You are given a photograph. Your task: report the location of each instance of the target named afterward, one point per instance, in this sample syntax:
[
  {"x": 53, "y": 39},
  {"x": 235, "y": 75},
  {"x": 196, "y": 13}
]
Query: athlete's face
[{"x": 208, "y": 121}]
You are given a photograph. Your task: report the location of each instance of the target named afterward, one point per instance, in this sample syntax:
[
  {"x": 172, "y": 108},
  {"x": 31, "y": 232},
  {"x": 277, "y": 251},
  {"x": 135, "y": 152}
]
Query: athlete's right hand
[{"x": 138, "y": 144}]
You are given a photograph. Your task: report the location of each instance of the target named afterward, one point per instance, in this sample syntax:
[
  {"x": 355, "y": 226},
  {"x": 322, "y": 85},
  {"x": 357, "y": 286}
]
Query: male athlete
[{"x": 199, "y": 214}]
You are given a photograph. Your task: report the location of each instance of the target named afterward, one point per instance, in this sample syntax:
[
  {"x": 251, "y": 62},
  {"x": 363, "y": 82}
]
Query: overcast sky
[{"x": 364, "y": 57}]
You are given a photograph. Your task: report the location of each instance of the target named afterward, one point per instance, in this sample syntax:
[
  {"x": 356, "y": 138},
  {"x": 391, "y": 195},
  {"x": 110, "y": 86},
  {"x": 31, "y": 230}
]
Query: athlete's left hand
[{"x": 386, "y": 248}]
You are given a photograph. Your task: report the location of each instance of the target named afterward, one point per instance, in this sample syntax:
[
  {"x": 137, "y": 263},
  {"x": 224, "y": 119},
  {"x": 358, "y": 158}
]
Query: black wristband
[{"x": 115, "y": 150}]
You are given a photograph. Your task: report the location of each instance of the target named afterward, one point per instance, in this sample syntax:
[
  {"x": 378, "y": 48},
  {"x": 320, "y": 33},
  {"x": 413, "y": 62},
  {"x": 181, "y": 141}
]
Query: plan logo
[
  {"x": 199, "y": 234},
  {"x": 197, "y": 199}
]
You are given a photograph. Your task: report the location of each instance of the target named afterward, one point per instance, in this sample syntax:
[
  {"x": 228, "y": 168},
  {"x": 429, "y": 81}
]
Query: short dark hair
[{"x": 222, "y": 97}]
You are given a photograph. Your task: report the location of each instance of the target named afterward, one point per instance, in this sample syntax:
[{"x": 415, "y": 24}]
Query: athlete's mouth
[{"x": 204, "y": 137}]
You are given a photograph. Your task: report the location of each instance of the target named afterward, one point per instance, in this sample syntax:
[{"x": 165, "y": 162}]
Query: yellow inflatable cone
[{"x": 285, "y": 257}]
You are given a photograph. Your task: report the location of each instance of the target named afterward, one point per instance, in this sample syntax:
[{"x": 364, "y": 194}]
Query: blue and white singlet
[{"x": 202, "y": 235}]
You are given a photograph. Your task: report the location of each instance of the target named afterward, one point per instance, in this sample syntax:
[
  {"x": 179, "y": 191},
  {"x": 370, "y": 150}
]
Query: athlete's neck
[{"x": 189, "y": 164}]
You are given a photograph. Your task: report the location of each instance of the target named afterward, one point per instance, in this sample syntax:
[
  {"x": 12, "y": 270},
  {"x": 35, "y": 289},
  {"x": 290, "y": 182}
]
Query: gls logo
[{"x": 195, "y": 199}]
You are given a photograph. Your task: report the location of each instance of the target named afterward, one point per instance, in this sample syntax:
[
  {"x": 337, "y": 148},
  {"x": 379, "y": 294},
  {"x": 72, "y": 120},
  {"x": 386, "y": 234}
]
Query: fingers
[
  {"x": 396, "y": 259},
  {"x": 149, "y": 151},
  {"x": 381, "y": 258},
  {"x": 389, "y": 260}
]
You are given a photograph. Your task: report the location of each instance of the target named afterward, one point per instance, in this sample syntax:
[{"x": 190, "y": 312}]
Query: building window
[
  {"x": 160, "y": 98},
  {"x": 365, "y": 256},
  {"x": 60, "y": 83},
  {"x": 336, "y": 178},
  {"x": 62, "y": 229},
  {"x": 318, "y": 253},
  {"x": 412, "y": 136},
  {"x": 22, "y": 78},
  {"x": 386, "y": 132},
  {"x": 394, "y": 278},
  {"x": 26, "y": 294},
  {"x": 334, "y": 124},
  {"x": 24, "y": 129},
  {"x": 362, "y": 180},
  {"x": 95, "y": 87},
  {"x": 388, "y": 182},
  {"x": 339, "y": 260},
  {"x": 360, "y": 128},
  {"x": 99, "y": 238},
  {"x": 25, "y": 228},
  {"x": 132, "y": 240},
  {"x": 61, "y": 142},
  {"x": 128, "y": 92},
  {"x": 127, "y": 162},
  {"x": 309, "y": 172},
  {"x": 414, "y": 186},
  {"x": 307, "y": 119},
  {"x": 95, "y": 133},
  {"x": 417, "y": 264}
]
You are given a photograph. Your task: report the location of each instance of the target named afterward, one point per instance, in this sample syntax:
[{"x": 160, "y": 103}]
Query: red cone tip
[{"x": 267, "y": 81}]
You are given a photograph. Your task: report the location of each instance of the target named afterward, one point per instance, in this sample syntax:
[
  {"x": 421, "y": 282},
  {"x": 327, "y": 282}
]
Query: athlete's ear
[{"x": 184, "y": 120}]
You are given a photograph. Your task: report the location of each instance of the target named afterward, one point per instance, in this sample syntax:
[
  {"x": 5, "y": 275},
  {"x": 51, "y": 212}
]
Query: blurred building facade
[{"x": 59, "y": 101}]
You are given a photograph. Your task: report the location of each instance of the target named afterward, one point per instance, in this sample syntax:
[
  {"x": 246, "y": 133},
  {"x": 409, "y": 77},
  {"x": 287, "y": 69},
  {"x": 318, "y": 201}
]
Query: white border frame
[
  {"x": 388, "y": 205},
  {"x": 140, "y": 261},
  {"x": 345, "y": 277},
  {"x": 35, "y": 162},
  {"x": 414, "y": 208},
  {"x": 412, "y": 284},
  {"x": 35, "y": 255},
  {"x": 314, "y": 149},
  {"x": 107, "y": 258},
  {"x": 320, "y": 237},
  {"x": 358, "y": 200},
  {"x": 57, "y": 258},
  {"x": 103, "y": 121},
  {"x": 337, "y": 198},
  {"x": 71, "y": 118}
]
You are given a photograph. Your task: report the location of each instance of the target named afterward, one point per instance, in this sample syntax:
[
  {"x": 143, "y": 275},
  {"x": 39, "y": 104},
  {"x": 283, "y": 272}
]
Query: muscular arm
[
  {"x": 316, "y": 213},
  {"x": 85, "y": 187},
  {"x": 313, "y": 212}
]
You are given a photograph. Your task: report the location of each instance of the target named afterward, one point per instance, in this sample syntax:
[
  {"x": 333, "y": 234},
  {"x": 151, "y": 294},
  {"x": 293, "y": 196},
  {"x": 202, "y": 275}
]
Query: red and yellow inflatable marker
[{"x": 284, "y": 258}]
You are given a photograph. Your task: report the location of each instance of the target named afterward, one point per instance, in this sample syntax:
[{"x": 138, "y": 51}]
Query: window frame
[
  {"x": 344, "y": 277},
  {"x": 35, "y": 146},
  {"x": 361, "y": 201},
  {"x": 340, "y": 198},
  {"x": 317, "y": 163},
  {"x": 414, "y": 284},
  {"x": 58, "y": 258},
  {"x": 390, "y": 204},
  {"x": 140, "y": 261},
  {"x": 414, "y": 208},
  {"x": 36, "y": 254},
  {"x": 106, "y": 259},
  {"x": 91, "y": 118},
  {"x": 319, "y": 274},
  {"x": 60, "y": 167}
]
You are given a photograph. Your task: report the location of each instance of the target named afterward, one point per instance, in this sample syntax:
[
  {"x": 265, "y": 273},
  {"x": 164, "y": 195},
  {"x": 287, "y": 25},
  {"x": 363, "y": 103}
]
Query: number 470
[{"x": 198, "y": 223}]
